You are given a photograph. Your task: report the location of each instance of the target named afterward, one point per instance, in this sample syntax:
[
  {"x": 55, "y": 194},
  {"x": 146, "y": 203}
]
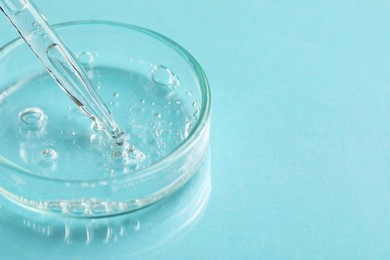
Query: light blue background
[{"x": 301, "y": 130}]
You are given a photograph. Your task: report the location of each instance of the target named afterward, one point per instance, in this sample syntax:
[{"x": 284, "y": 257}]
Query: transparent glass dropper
[{"x": 60, "y": 62}]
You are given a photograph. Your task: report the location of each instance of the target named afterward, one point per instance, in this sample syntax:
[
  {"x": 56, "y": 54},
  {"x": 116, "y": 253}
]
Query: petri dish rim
[{"x": 189, "y": 142}]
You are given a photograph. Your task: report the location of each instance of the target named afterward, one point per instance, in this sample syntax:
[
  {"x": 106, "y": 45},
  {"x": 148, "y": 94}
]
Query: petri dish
[{"x": 52, "y": 159}]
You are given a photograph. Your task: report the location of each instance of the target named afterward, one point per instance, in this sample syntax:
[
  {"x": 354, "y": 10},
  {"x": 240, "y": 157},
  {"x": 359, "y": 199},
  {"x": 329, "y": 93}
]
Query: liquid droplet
[
  {"x": 162, "y": 75},
  {"x": 49, "y": 154}
]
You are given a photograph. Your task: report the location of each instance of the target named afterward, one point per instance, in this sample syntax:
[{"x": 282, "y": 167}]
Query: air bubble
[
  {"x": 86, "y": 57},
  {"x": 33, "y": 121},
  {"x": 100, "y": 208},
  {"x": 56, "y": 207},
  {"x": 178, "y": 101},
  {"x": 196, "y": 114},
  {"x": 142, "y": 101},
  {"x": 120, "y": 141},
  {"x": 49, "y": 154},
  {"x": 116, "y": 95},
  {"x": 96, "y": 126},
  {"x": 158, "y": 132},
  {"x": 32, "y": 116},
  {"x": 119, "y": 155},
  {"x": 162, "y": 75},
  {"x": 157, "y": 115},
  {"x": 78, "y": 208}
]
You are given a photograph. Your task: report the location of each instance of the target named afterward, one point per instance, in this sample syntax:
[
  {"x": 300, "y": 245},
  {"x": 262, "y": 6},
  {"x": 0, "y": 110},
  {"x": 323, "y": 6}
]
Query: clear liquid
[{"x": 43, "y": 132}]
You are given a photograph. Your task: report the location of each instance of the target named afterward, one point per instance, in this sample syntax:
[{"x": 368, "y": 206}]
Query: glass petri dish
[{"x": 52, "y": 159}]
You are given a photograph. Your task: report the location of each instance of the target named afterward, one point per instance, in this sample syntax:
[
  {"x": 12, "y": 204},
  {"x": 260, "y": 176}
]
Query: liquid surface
[{"x": 44, "y": 133}]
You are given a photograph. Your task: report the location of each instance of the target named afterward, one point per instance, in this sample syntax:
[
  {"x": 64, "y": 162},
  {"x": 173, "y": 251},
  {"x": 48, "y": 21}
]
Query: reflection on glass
[{"x": 33, "y": 234}]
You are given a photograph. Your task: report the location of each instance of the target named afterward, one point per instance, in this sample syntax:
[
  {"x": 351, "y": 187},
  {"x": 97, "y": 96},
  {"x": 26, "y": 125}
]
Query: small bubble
[
  {"x": 100, "y": 208},
  {"x": 56, "y": 207},
  {"x": 49, "y": 154},
  {"x": 157, "y": 115},
  {"x": 33, "y": 122},
  {"x": 116, "y": 95},
  {"x": 196, "y": 114},
  {"x": 152, "y": 103},
  {"x": 44, "y": 35},
  {"x": 119, "y": 155},
  {"x": 77, "y": 208},
  {"x": 162, "y": 75},
  {"x": 128, "y": 147},
  {"x": 188, "y": 93},
  {"x": 73, "y": 133},
  {"x": 120, "y": 141},
  {"x": 36, "y": 25},
  {"x": 110, "y": 103},
  {"x": 158, "y": 132},
  {"x": 86, "y": 57},
  {"x": 142, "y": 101},
  {"x": 96, "y": 126},
  {"x": 178, "y": 101},
  {"x": 32, "y": 116}
]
